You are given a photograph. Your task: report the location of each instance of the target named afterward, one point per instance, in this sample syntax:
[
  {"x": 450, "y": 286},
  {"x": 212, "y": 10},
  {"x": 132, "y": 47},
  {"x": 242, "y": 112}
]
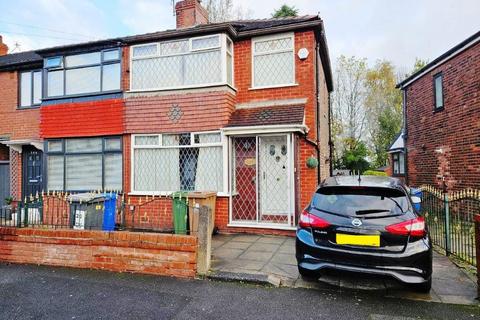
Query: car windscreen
[{"x": 360, "y": 201}]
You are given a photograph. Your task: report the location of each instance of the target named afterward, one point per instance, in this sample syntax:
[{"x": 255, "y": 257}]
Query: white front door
[{"x": 274, "y": 175}]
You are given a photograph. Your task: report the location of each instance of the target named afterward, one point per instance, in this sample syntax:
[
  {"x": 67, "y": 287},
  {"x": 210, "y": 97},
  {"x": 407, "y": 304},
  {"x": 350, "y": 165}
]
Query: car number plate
[{"x": 359, "y": 240}]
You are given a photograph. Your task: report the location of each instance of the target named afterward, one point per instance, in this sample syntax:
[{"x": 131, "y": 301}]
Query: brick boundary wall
[{"x": 136, "y": 252}]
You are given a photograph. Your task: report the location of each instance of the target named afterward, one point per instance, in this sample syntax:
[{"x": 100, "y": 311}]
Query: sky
[{"x": 399, "y": 31}]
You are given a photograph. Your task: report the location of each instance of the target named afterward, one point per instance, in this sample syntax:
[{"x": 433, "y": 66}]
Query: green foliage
[
  {"x": 384, "y": 108},
  {"x": 312, "y": 162},
  {"x": 375, "y": 173},
  {"x": 354, "y": 155},
  {"x": 285, "y": 11},
  {"x": 8, "y": 200}
]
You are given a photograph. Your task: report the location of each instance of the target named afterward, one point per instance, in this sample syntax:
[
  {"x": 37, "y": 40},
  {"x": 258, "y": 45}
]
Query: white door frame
[{"x": 291, "y": 183}]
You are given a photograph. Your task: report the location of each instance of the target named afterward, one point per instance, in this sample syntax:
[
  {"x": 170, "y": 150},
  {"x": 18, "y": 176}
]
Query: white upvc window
[
  {"x": 164, "y": 163},
  {"x": 182, "y": 63},
  {"x": 273, "y": 61}
]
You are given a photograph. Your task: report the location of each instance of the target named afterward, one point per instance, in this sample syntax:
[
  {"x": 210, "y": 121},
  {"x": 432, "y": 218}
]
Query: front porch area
[{"x": 273, "y": 257}]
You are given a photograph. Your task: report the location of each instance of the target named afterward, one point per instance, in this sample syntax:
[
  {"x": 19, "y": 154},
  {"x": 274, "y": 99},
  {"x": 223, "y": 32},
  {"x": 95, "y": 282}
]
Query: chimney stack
[
  {"x": 190, "y": 13},
  {"x": 3, "y": 47}
]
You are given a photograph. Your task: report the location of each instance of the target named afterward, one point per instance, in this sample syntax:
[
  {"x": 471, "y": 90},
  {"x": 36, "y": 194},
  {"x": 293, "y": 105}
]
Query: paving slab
[{"x": 274, "y": 257}]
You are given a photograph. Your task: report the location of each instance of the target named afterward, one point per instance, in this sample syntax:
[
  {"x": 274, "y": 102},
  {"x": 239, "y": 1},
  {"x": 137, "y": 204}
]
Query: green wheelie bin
[{"x": 180, "y": 212}]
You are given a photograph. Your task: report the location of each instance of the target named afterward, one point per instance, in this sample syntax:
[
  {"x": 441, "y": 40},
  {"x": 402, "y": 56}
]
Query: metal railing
[
  {"x": 450, "y": 218},
  {"x": 59, "y": 210}
]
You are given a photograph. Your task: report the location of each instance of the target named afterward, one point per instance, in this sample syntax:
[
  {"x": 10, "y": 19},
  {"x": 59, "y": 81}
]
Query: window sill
[
  {"x": 204, "y": 86},
  {"x": 72, "y": 96},
  {"x": 29, "y": 107},
  {"x": 167, "y": 193},
  {"x": 260, "y": 226},
  {"x": 275, "y": 86},
  {"x": 436, "y": 110}
]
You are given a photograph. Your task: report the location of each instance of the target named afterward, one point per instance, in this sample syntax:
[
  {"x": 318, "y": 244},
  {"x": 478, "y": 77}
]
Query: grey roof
[
  {"x": 236, "y": 29},
  {"x": 20, "y": 58}
]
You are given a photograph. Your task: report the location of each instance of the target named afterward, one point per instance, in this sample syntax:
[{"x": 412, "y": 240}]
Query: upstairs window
[
  {"x": 438, "y": 91},
  {"x": 30, "y": 89},
  {"x": 182, "y": 63},
  {"x": 273, "y": 61},
  {"x": 85, "y": 73}
]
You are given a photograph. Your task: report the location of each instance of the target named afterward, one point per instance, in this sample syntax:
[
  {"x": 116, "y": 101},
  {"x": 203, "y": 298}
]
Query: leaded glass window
[
  {"x": 273, "y": 61},
  {"x": 182, "y": 63},
  {"x": 172, "y": 162}
]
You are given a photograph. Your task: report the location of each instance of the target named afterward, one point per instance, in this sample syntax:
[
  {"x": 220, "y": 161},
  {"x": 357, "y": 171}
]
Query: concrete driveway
[{"x": 273, "y": 258}]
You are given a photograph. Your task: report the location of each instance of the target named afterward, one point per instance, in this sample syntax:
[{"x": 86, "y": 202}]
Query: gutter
[
  {"x": 230, "y": 131},
  {"x": 317, "y": 111}
]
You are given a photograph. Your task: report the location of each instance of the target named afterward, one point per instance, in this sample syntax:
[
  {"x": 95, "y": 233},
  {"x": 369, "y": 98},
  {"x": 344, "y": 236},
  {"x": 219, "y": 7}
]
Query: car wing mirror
[{"x": 416, "y": 199}]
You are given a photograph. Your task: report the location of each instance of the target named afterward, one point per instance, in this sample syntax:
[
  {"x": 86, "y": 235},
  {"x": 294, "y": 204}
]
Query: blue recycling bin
[
  {"x": 109, "y": 211},
  {"x": 416, "y": 192}
]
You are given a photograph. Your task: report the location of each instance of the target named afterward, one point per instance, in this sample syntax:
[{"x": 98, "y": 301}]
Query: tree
[
  {"x": 354, "y": 156},
  {"x": 348, "y": 111},
  {"x": 419, "y": 64},
  {"x": 383, "y": 104},
  {"x": 224, "y": 10},
  {"x": 285, "y": 11}
]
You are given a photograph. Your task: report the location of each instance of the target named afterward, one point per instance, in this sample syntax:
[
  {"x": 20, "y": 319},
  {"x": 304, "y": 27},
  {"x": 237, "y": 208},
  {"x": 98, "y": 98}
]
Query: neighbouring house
[
  {"x": 237, "y": 108},
  {"x": 442, "y": 120}
]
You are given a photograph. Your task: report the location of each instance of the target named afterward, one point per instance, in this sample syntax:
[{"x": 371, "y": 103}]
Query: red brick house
[
  {"x": 235, "y": 107},
  {"x": 442, "y": 119}
]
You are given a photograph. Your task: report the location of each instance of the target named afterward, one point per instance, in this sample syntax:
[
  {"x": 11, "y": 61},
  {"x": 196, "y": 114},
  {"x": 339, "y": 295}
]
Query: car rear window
[{"x": 360, "y": 201}]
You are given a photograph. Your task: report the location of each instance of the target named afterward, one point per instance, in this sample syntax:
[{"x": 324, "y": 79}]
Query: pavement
[
  {"x": 39, "y": 292},
  {"x": 271, "y": 259}
]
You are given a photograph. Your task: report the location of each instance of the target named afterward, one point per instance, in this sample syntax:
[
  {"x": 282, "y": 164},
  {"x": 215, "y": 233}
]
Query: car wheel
[
  {"x": 308, "y": 275},
  {"x": 424, "y": 287}
]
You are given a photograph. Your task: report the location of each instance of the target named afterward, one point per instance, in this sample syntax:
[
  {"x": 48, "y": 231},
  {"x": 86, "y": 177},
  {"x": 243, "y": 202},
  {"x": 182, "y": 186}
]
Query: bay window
[
  {"x": 273, "y": 61},
  {"x": 173, "y": 162},
  {"x": 86, "y": 73},
  {"x": 84, "y": 164},
  {"x": 30, "y": 89},
  {"x": 182, "y": 63}
]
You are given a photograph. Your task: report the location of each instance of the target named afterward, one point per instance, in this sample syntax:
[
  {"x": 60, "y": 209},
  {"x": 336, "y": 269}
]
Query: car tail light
[
  {"x": 308, "y": 220},
  {"x": 414, "y": 227}
]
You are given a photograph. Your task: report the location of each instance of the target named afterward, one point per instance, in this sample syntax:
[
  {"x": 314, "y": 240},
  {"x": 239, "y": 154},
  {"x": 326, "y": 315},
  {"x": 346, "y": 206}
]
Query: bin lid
[
  {"x": 201, "y": 194},
  {"x": 86, "y": 197}
]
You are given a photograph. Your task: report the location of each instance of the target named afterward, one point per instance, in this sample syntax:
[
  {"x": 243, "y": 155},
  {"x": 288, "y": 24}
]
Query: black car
[{"x": 365, "y": 224}]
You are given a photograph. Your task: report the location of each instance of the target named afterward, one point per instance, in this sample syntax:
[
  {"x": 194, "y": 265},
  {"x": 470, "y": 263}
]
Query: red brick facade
[
  {"x": 202, "y": 109},
  {"x": 445, "y": 144},
  {"x": 82, "y": 119}
]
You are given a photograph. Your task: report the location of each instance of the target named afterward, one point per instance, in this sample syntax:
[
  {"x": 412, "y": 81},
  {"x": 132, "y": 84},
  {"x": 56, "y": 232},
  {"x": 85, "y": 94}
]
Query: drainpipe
[
  {"x": 317, "y": 109},
  {"x": 330, "y": 141},
  {"x": 405, "y": 132}
]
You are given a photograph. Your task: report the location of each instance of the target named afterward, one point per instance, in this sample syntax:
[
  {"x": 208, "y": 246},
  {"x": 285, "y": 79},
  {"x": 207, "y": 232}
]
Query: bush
[{"x": 375, "y": 173}]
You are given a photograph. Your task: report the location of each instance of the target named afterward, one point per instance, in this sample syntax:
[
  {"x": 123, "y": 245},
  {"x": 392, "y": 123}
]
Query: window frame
[
  {"x": 223, "y": 57},
  {"x": 254, "y": 54},
  {"x": 435, "y": 77},
  {"x": 223, "y": 144},
  {"x": 64, "y": 68},
  {"x": 66, "y": 153},
  {"x": 32, "y": 104}
]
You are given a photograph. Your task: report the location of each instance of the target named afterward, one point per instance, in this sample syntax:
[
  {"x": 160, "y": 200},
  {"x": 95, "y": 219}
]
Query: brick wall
[
  {"x": 159, "y": 254},
  {"x": 304, "y": 76},
  {"x": 15, "y": 123},
  {"x": 201, "y": 110},
  {"x": 455, "y": 130},
  {"x": 93, "y": 118}
]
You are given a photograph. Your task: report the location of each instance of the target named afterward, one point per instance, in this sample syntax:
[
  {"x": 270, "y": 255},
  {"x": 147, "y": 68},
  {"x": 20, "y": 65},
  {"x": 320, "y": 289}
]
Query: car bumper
[{"x": 412, "y": 266}]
